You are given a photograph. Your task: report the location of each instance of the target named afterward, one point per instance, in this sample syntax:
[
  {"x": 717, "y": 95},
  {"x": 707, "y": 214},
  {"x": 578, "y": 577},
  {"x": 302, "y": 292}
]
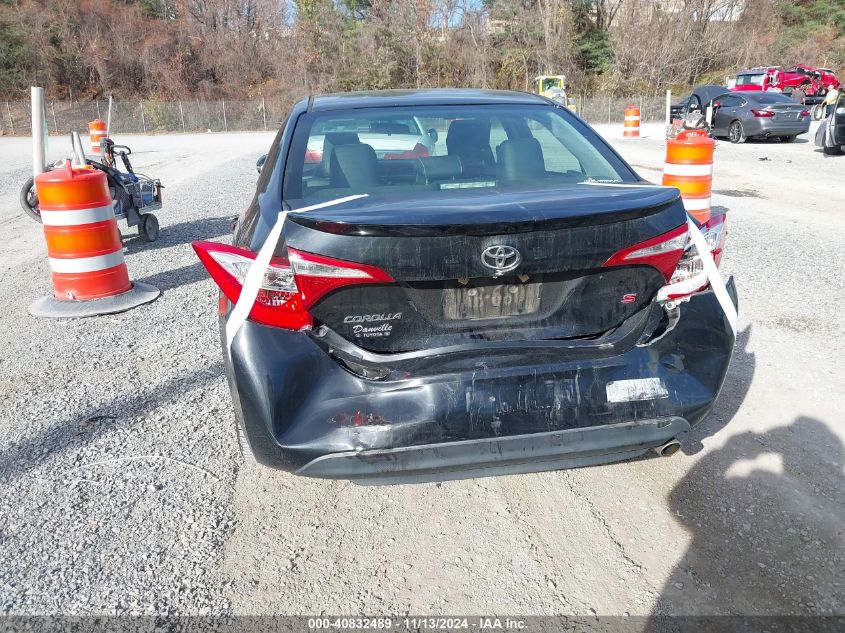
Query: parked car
[
  {"x": 394, "y": 136},
  {"x": 698, "y": 101},
  {"x": 759, "y": 115},
  {"x": 521, "y": 300},
  {"x": 831, "y": 133}
]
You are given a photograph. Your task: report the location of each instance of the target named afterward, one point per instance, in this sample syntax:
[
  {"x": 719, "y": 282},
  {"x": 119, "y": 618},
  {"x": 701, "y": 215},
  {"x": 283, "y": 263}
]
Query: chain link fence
[
  {"x": 148, "y": 117},
  {"x": 612, "y": 109},
  {"x": 155, "y": 117}
]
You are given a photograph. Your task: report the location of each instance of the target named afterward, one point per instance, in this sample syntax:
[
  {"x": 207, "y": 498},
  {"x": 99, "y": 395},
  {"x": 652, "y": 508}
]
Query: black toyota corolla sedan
[{"x": 507, "y": 295}]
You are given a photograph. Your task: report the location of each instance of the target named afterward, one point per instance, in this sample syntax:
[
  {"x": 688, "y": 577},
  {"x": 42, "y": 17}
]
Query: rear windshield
[
  {"x": 750, "y": 80},
  {"x": 772, "y": 97},
  {"x": 433, "y": 151}
]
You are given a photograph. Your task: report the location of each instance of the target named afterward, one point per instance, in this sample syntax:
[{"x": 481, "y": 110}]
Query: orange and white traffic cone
[
  {"x": 97, "y": 132},
  {"x": 84, "y": 247},
  {"x": 632, "y": 122},
  {"x": 689, "y": 167}
]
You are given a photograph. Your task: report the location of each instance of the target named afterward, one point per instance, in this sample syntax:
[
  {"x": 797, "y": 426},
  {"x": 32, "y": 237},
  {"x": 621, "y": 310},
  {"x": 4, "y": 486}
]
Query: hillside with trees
[{"x": 168, "y": 49}]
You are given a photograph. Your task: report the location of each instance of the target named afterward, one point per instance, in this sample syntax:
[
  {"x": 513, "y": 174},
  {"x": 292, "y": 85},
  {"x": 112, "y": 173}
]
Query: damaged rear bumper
[
  {"x": 536, "y": 452},
  {"x": 531, "y": 410}
]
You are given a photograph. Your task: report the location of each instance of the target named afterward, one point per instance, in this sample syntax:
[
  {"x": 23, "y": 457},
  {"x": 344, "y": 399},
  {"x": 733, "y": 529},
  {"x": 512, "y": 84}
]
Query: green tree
[{"x": 14, "y": 56}]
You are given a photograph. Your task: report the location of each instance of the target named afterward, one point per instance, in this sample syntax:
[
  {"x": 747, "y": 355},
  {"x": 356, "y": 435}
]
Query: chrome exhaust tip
[{"x": 668, "y": 449}]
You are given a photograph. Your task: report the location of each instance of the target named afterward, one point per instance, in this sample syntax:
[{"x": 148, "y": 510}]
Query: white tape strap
[
  {"x": 638, "y": 185},
  {"x": 86, "y": 264},
  {"x": 673, "y": 169},
  {"x": 632, "y": 118},
  {"x": 77, "y": 217},
  {"x": 712, "y": 273},
  {"x": 252, "y": 282}
]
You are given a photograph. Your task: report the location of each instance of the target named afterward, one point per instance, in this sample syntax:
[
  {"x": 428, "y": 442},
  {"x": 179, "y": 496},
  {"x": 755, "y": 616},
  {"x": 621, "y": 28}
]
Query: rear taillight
[
  {"x": 289, "y": 286},
  {"x": 763, "y": 114},
  {"x": 805, "y": 113},
  {"x": 313, "y": 156},
  {"x": 662, "y": 252},
  {"x": 689, "y": 277},
  {"x": 419, "y": 151},
  {"x": 674, "y": 255},
  {"x": 317, "y": 276}
]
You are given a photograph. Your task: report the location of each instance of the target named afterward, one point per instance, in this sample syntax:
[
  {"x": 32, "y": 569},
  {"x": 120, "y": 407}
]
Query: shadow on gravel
[
  {"x": 80, "y": 429},
  {"x": 170, "y": 279},
  {"x": 766, "y": 518},
  {"x": 179, "y": 233},
  {"x": 733, "y": 394}
]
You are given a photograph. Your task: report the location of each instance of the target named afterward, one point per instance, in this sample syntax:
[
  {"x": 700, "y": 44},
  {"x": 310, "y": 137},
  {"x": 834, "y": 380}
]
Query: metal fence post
[
  {"x": 608, "y": 110},
  {"x": 97, "y": 103},
  {"x": 55, "y": 124},
  {"x": 263, "y": 113},
  {"x": 181, "y": 115},
  {"x": 225, "y": 125},
  {"x": 12, "y": 121},
  {"x": 668, "y": 108},
  {"x": 143, "y": 121},
  {"x": 39, "y": 130}
]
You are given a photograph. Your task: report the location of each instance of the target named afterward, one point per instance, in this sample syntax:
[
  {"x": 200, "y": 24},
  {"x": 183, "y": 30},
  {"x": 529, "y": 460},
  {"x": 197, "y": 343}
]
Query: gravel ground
[{"x": 121, "y": 490}]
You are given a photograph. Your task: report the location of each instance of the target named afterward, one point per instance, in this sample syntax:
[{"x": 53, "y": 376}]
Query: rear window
[
  {"x": 750, "y": 80},
  {"x": 432, "y": 151},
  {"x": 772, "y": 97},
  {"x": 373, "y": 125}
]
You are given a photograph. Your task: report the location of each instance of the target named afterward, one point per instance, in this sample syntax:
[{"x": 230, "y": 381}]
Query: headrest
[
  {"x": 520, "y": 158},
  {"x": 332, "y": 140},
  {"x": 341, "y": 138},
  {"x": 467, "y": 132},
  {"x": 354, "y": 166}
]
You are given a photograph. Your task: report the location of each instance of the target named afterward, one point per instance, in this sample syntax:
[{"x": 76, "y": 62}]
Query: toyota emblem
[{"x": 500, "y": 259}]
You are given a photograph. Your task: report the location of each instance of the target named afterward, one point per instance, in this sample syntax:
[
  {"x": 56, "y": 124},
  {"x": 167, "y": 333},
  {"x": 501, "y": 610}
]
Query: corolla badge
[{"x": 500, "y": 258}]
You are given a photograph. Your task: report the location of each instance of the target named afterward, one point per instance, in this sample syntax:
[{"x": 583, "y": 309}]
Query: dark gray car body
[{"x": 735, "y": 108}]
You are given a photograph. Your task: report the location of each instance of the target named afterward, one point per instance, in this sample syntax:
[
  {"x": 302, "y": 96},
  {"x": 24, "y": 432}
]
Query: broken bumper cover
[{"x": 303, "y": 412}]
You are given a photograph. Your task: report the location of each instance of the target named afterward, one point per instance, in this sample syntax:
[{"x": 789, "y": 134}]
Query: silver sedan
[{"x": 759, "y": 115}]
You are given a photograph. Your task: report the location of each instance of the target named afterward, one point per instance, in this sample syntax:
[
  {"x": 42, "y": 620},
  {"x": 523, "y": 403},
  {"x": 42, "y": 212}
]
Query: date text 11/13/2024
[{"x": 417, "y": 624}]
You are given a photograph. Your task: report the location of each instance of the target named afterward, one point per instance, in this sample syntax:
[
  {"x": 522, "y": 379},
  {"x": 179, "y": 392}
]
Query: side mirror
[
  {"x": 259, "y": 164},
  {"x": 433, "y": 134}
]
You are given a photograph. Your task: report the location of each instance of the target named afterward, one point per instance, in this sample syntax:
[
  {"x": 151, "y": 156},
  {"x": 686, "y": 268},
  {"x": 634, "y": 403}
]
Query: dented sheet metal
[{"x": 546, "y": 390}]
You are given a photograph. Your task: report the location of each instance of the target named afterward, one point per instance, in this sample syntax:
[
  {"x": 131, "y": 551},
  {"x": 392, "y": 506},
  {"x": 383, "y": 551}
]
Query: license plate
[{"x": 491, "y": 301}]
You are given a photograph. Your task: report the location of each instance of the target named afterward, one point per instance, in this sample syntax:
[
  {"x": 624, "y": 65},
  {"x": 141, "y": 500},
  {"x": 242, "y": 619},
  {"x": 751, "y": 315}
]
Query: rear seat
[{"x": 354, "y": 167}]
